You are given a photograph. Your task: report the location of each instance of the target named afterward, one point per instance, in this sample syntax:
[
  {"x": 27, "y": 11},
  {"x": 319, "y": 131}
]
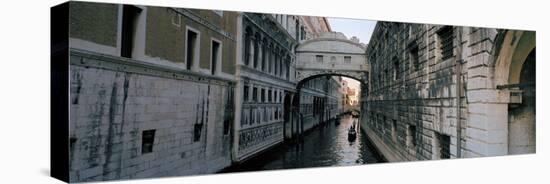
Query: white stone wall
[{"x": 111, "y": 108}]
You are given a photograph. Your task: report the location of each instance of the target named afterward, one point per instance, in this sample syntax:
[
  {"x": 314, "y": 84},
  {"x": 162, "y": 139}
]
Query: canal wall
[
  {"x": 413, "y": 105},
  {"x": 131, "y": 119}
]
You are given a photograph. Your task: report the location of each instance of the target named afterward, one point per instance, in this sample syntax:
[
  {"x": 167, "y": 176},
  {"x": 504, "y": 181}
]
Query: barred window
[
  {"x": 347, "y": 59},
  {"x": 319, "y": 58},
  {"x": 445, "y": 36}
]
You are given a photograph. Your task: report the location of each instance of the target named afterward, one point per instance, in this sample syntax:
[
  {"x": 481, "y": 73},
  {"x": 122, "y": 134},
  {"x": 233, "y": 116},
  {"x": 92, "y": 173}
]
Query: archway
[
  {"x": 521, "y": 117},
  {"x": 316, "y": 108},
  {"x": 515, "y": 76}
]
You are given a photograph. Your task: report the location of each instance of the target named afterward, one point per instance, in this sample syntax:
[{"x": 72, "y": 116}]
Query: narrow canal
[{"x": 325, "y": 145}]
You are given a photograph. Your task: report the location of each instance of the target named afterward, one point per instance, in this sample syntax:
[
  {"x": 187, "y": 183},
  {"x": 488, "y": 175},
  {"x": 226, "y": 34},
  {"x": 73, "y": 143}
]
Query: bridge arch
[{"x": 353, "y": 75}]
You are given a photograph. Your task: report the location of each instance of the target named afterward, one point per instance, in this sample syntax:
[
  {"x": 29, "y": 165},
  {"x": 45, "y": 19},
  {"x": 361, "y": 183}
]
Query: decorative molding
[{"x": 114, "y": 63}]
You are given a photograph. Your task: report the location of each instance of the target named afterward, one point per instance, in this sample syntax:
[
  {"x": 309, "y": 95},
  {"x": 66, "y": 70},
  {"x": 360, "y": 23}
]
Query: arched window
[
  {"x": 296, "y": 29},
  {"x": 287, "y": 66},
  {"x": 269, "y": 57},
  {"x": 275, "y": 59},
  {"x": 264, "y": 53},
  {"x": 256, "y": 39},
  {"x": 247, "y": 40}
]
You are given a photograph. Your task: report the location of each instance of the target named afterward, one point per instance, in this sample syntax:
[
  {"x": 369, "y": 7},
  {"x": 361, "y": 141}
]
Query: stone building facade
[
  {"x": 312, "y": 27},
  {"x": 266, "y": 73},
  {"x": 426, "y": 79},
  {"x": 152, "y": 91}
]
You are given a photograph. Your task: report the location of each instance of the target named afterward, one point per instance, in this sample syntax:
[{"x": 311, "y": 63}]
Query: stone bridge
[{"x": 331, "y": 54}]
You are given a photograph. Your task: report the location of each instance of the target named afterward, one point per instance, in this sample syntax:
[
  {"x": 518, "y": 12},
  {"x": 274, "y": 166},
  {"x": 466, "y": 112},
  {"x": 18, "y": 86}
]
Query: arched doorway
[
  {"x": 515, "y": 76},
  {"x": 521, "y": 117}
]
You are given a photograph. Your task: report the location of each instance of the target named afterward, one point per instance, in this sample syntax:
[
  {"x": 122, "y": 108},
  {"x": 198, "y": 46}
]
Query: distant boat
[
  {"x": 355, "y": 114},
  {"x": 352, "y": 134}
]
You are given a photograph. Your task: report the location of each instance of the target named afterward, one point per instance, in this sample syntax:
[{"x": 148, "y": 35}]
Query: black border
[{"x": 59, "y": 92}]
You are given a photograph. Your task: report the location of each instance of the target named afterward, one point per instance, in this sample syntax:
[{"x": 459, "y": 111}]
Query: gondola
[{"x": 352, "y": 134}]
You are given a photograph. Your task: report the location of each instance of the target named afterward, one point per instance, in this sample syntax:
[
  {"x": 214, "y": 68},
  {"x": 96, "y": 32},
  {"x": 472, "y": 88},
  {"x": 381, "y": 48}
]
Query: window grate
[
  {"x": 319, "y": 58},
  {"x": 445, "y": 35},
  {"x": 347, "y": 59}
]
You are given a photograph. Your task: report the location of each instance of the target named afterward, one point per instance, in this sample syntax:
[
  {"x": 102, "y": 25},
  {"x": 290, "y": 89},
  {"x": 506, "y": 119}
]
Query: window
[
  {"x": 197, "y": 132},
  {"x": 245, "y": 93},
  {"x": 176, "y": 19},
  {"x": 445, "y": 42},
  {"x": 413, "y": 54},
  {"x": 129, "y": 20},
  {"x": 394, "y": 130},
  {"x": 255, "y": 94},
  {"x": 226, "y": 125},
  {"x": 287, "y": 69},
  {"x": 302, "y": 33},
  {"x": 263, "y": 95},
  {"x": 347, "y": 59},
  {"x": 276, "y": 63},
  {"x": 412, "y": 135},
  {"x": 269, "y": 95},
  {"x": 444, "y": 145},
  {"x": 247, "y": 46},
  {"x": 215, "y": 56},
  {"x": 191, "y": 48},
  {"x": 396, "y": 71},
  {"x": 264, "y": 54},
  {"x": 319, "y": 58},
  {"x": 297, "y": 32},
  {"x": 256, "y": 49},
  {"x": 147, "y": 140}
]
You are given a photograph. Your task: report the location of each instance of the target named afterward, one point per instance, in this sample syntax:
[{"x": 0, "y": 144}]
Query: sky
[{"x": 362, "y": 29}]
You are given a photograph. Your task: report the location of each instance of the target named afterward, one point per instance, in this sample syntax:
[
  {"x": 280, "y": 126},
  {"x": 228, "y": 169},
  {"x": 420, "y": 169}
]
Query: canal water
[{"x": 325, "y": 145}]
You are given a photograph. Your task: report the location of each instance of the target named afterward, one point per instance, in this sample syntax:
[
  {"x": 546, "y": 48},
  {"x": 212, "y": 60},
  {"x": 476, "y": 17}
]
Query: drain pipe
[{"x": 458, "y": 91}]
